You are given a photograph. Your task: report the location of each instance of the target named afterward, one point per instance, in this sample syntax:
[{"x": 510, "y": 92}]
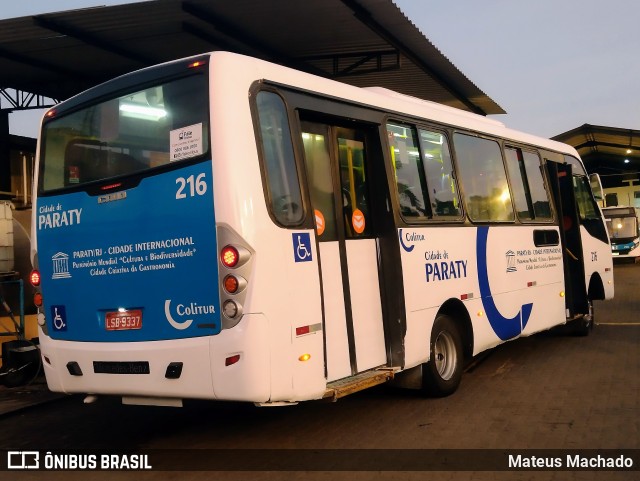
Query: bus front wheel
[
  {"x": 442, "y": 374},
  {"x": 582, "y": 327}
]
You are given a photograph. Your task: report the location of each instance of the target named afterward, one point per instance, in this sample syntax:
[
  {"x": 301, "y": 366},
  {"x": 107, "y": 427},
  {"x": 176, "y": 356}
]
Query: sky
[{"x": 553, "y": 65}]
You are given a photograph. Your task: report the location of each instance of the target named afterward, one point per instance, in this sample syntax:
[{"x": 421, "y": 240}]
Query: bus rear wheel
[{"x": 442, "y": 374}]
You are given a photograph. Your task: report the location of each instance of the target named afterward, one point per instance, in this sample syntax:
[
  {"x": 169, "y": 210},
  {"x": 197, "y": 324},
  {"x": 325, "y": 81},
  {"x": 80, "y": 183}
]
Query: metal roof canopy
[
  {"x": 604, "y": 151},
  {"x": 359, "y": 42}
]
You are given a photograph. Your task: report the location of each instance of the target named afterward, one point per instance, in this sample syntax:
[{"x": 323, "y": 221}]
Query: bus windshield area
[
  {"x": 620, "y": 224},
  {"x": 142, "y": 130}
]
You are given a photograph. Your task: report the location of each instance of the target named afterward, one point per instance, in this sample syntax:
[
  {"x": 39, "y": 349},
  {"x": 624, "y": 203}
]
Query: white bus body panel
[
  {"x": 525, "y": 273},
  {"x": 194, "y": 382},
  {"x": 203, "y": 369},
  {"x": 366, "y": 305},
  {"x": 437, "y": 268},
  {"x": 338, "y": 361},
  {"x": 597, "y": 262},
  {"x": 284, "y": 291}
]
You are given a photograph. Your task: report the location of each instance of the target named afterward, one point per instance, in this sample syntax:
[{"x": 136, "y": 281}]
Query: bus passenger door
[
  {"x": 338, "y": 174},
  {"x": 561, "y": 180}
]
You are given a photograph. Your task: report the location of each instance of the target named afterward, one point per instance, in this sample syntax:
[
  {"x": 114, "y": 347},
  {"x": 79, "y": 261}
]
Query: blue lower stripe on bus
[{"x": 504, "y": 327}]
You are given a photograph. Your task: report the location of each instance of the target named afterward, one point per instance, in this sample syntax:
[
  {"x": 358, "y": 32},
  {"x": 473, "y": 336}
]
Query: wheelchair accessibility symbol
[
  {"x": 59, "y": 318},
  {"x": 301, "y": 246}
]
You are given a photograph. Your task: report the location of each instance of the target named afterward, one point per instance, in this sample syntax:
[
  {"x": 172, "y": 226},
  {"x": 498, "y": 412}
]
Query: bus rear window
[{"x": 126, "y": 135}]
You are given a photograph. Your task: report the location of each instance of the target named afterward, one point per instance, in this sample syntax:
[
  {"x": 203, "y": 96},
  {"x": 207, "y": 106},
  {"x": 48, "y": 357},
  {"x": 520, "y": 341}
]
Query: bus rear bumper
[{"x": 200, "y": 367}]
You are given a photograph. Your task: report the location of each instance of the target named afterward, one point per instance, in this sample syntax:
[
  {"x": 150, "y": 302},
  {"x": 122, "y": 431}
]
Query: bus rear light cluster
[
  {"x": 235, "y": 259},
  {"x": 35, "y": 279}
]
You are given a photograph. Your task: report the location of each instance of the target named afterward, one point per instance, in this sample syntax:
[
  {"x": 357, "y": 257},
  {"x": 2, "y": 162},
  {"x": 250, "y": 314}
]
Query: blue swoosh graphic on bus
[
  {"x": 406, "y": 248},
  {"x": 504, "y": 327}
]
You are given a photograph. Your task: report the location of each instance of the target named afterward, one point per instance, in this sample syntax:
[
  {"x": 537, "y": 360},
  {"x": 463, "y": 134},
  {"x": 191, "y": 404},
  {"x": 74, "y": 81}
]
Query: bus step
[{"x": 344, "y": 387}]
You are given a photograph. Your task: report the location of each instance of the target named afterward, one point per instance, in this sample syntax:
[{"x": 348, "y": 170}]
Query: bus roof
[
  {"x": 393, "y": 101},
  {"x": 377, "y": 97}
]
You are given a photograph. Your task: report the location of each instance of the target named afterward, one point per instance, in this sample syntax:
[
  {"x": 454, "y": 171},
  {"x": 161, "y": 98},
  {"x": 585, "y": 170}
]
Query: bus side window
[
  {"x": 576, "y": 165},
  {"x": 483, "y": 179},
  {"x": 284, "y": 197},
  {"x": 318, "y": 164},
  {"x": 529, "y": 192},
  {"x": 353, "y": 183},
  {"x": 409, "y": 171},
  {"x": 439, "y": 172}
]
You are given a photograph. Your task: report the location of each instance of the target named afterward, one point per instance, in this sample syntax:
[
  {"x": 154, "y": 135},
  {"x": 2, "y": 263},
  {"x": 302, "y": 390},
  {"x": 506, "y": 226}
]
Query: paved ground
[
  {"x": 544, "y": 392},
  {"x": 22, "y": 398}
]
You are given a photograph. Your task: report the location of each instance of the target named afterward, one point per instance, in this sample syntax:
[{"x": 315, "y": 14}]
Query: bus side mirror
[{"x": 596, "y": 188}]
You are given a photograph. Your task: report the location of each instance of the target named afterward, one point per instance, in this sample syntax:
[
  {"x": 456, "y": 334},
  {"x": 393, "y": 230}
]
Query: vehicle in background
[{"x": 624, "y": 231}]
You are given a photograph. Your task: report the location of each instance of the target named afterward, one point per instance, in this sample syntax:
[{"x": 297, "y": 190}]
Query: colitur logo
[
  {"x": 184, "y": 310},
  {"x": 410, "y": 238}
]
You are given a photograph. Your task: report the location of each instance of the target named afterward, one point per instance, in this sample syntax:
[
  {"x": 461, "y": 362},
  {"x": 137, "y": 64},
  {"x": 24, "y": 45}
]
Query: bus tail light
[
  {"x": 232, "y": 360},
  {"x": 233, "y": 256},
  {"x": 37, "y": 299},
  {"x": 229, "y": 256},
  {"x": 34, "y": 278},
  {"x": 111, "y": 186},
  {"x": 231, "y": 284},
  {"x": 234, "y": 284}
]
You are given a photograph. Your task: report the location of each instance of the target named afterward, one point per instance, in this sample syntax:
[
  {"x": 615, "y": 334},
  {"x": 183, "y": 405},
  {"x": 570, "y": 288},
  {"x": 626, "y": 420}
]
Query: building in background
[{"x": 612, "y": 153}]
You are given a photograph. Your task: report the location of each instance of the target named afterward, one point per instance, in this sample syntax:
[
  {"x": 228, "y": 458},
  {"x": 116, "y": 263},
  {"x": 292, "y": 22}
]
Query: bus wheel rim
[{"x": 445, "y": 355}]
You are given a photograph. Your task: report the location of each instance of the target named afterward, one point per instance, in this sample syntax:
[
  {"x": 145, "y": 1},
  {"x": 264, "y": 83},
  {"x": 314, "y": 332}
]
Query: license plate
[{"x": 123, "y": 320}]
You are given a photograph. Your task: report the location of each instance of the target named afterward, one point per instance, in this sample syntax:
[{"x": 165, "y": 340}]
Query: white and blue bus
[{"x": 220, "y": 227}]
